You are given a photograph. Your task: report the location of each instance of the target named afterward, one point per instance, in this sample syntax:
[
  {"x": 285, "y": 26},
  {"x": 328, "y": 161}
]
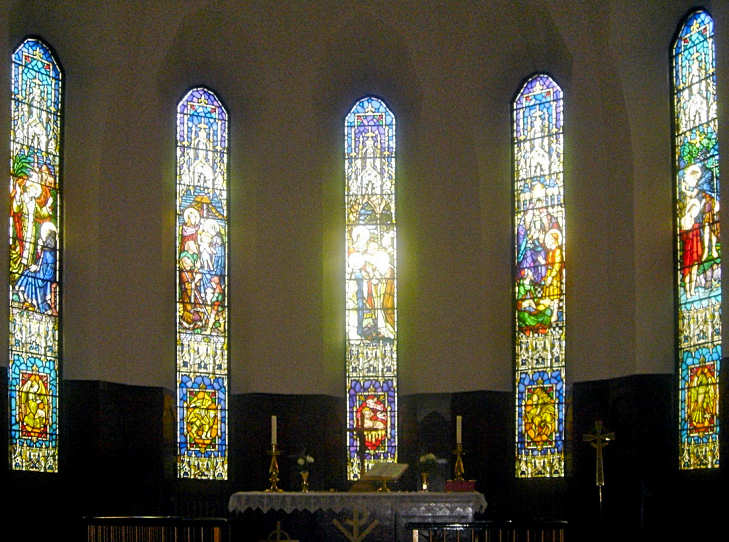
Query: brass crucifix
[
  {"x": 361, "y": 434},
  {"x": 598, "y": 440}
]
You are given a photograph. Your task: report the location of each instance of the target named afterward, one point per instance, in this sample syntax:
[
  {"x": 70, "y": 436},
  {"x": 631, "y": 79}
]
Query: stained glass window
[
  {"x": 202, "y": 294},
  {"x": 539, "y": 278},
  {"x": 35, "y": 262},
  {"x": 371, "y": 286},
  {"x": 698, "y": 248}
]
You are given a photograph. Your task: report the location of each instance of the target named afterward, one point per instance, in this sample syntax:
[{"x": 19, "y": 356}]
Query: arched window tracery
[
  {"x": 371, "y": 285},
  {"x": 539, "y": 278},
  {"x": 35, "y": 257},
  {"x": 202, "y": 286},
  {"x": 698, "y": 249}
]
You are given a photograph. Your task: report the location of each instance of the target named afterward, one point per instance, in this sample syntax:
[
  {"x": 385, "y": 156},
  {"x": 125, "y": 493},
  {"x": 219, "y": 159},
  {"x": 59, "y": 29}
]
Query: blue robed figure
[{"x": 35, "y": 284}]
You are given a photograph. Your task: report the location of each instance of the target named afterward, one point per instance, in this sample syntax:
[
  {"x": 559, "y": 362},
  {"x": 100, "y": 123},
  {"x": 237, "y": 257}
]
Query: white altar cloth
[{"x": 406, "y": 505}]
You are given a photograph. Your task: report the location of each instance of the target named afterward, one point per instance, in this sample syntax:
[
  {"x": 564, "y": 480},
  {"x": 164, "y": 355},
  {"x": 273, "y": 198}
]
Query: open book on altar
[
  {"x": 381, "y": 472},
  {"x": 385, "y": 472}
]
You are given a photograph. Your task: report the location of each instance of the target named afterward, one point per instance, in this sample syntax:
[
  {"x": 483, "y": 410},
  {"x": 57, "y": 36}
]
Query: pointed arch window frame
[
  {"x": 372, "y": 393},
  {"x": 698, "y": 320},
  {"x": 35, "y": 289},
  {"x": 202, "y": 379},
  {"x": 538, "y": 386}
]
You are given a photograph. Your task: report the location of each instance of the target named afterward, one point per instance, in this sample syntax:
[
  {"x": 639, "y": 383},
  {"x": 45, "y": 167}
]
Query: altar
[{"x": 356, "y": 517}]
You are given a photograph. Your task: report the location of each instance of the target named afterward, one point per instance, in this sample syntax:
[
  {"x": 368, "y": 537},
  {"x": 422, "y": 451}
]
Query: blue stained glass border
[
  {"x": 36, "y": 83},
  {"x": 691, "y": 358},
  {"x": 201, "y": 107},
  {"x": 696, "y": 143},
  {"x": 687, "y": 37},
  {"x": 526, "y": 380},
  {"x": 213, "y": 114},
  {"x": 369, "y": 113},
  {"x": 389, "y": 388},
  {"x": 33, "y": 364},
  {"x": 189, "y": 383},
  {"x": 540, "y": 91}
]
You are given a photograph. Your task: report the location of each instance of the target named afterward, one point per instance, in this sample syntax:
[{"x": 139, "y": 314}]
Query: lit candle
[
  {"x": 273, "y": 430},
  {"x": 458, "y": 429}
]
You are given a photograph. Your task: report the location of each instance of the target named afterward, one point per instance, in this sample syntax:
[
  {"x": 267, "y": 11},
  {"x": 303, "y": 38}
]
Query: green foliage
[
  {"x": 697, "y": 149},
  {"x": 21, "y": 165}
]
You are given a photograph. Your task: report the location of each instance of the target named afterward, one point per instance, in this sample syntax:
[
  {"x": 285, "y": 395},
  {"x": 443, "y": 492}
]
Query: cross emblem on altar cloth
[
  {"x": 278, "y": 533},
  {"x": 598, "y": 440},
  {"x": 359, "y": 518}
]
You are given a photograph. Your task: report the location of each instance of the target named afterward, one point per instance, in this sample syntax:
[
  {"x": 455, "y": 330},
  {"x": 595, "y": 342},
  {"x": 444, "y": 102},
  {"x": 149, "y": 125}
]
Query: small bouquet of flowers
[
  {"x": 428, "y": 462},
  {"x": 304, "y": 462}
]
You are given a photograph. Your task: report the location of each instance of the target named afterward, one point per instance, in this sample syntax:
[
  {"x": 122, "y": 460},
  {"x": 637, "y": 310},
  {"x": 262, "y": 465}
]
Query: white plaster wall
[{"x": 288, "y": 73}]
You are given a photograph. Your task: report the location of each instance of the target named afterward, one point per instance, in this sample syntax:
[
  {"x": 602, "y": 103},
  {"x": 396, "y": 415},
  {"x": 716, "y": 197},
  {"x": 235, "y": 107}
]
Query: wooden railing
[
  {"x": 155, "y": 529},
  {"x": 490, "y": 531}
]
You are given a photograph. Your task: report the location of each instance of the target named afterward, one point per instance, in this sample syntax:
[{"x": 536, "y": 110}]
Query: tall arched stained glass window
[
  {"x": 371, "y": 286},
  {"x": 698, "y": 249},
  {"x": 35, "y": 259},
  {"x": 202, "y": 292},
  {"x": 539, "y": 278}
]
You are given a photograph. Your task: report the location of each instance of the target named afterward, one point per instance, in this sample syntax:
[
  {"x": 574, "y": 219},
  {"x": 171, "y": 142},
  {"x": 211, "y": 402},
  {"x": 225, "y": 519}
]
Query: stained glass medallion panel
[
  {"x": 35, "y": 263},
  {"x": 698, "y": 247},
  {"x": 539, "y": 278},
  {"x": 371, "y": 285},
  {"x": 202, "y": 294}
]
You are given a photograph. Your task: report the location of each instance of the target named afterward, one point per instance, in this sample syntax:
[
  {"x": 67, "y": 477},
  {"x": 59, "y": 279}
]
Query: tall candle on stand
[
  {"x": 458, "y": 429},
  {"x": 273, "y": 469}
]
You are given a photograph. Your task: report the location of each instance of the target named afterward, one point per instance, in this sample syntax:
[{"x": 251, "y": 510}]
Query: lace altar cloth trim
[{"x": 426, "y": 505}]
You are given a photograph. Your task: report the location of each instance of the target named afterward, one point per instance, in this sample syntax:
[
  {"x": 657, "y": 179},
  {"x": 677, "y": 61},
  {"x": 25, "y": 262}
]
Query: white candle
[
  {"x": 458, "y": 429},
  {"x": 273, "y": 430}
]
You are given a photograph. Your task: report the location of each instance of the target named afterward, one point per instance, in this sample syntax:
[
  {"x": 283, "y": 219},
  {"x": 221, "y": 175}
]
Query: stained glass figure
[
  {"x": 202, "y": 294},
  {"x": 371, "y": 285},
  {"x": 539, "y": 278},
  {"x": 35, "y": 263},
  {"x": 698, "y": 247}
]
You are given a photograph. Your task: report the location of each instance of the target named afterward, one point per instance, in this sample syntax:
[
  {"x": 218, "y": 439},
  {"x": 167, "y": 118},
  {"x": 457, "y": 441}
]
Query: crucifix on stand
[
  {"x": 598, "y": 440},
  {"x": 361, "y": 434}
]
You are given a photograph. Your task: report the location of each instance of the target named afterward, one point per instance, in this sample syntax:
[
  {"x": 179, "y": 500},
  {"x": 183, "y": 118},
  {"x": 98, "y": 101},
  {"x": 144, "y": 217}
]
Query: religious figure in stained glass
[
  {"x": 34, "y": 260},
  {"x": 539, "y": 267},
  {"x": 371, "y": 285},
  {"x": 698, "y": 278},
  {"x": 202, "y": 275}
]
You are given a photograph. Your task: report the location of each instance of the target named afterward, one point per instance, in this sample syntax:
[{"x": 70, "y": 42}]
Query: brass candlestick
[
  {"x": 458, "y": 470},
  {"x": 304, "y": 481},
  {"x": 273, "y": 471}
]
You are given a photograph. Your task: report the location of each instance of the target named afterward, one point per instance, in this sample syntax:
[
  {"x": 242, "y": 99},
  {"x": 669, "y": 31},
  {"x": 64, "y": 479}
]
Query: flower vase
[
  {"x": 304, "y": 481},
  {"x": 424, "y": 480}
]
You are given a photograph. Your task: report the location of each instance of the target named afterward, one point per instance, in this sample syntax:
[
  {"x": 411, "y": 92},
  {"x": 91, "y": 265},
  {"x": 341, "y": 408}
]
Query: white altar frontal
[{"x": 354, "y": 517}]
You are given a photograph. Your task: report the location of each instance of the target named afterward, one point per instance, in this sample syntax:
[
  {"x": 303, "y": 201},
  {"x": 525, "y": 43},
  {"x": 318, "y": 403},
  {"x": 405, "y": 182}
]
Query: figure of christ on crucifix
[{"x": 369, "y": 428}]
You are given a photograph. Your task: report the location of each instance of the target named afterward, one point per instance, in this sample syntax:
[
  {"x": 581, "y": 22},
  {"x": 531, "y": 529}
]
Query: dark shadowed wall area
[{"x": 289, "y": 72}]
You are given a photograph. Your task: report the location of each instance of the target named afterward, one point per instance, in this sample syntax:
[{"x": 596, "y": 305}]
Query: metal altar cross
[
  {"x": 599, "y": 440},
  {"x": 360, "y": 432},
  {"x": 278, "y": 533}
]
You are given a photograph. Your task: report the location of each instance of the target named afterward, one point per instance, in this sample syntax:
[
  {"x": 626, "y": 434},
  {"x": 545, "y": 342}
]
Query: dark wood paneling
[{"x": 118, "y": 453}]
